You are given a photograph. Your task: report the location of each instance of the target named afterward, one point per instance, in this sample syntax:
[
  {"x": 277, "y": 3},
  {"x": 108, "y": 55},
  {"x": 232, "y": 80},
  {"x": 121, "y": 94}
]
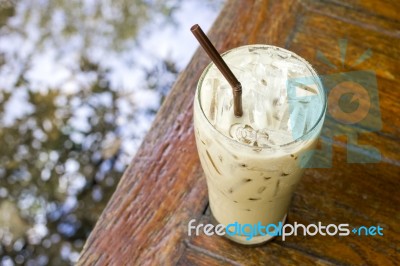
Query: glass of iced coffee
[{"x": 253, "y": 163}]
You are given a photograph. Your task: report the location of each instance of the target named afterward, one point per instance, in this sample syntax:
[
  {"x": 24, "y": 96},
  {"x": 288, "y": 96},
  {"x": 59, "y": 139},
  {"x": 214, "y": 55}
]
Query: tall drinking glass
[{"x": 253, "y": 163}]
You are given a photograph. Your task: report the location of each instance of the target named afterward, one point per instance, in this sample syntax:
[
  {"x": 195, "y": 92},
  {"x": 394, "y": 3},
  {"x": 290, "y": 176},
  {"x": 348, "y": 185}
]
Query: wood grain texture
[
  {"x": 350, "y": 195},
  {"x": 146, "y": 219}
]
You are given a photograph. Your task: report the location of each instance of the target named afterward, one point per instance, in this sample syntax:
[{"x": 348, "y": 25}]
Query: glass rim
[{"x": 309, "y": 67}]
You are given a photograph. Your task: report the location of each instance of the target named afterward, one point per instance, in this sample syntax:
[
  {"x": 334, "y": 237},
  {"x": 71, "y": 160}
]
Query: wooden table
[{"x": 145, "y": 222}]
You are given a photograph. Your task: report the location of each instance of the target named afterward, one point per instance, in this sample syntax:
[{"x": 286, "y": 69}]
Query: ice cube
[
  {"x": 214, "y": 100},
  {"x": 243, "y": 62},
  {"x": 272, "y": 138},
  {"x": 305, "y": 89},
  {"x": 297, "y": 120},
  {"x": 282, "y": 54},
  {"x": 263, "y": 138},
  {"x": 243, "y": 133},
  {"x": 284, "y": 118},
  {"x": 259, "y": 71}
]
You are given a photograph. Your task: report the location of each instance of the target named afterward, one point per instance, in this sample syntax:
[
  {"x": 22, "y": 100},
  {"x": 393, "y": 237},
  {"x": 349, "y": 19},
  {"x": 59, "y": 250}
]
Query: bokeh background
[{"x": 80, "y": 83}]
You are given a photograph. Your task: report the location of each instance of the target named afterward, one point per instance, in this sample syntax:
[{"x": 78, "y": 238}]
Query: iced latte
[{"x": 253, "y": 163}]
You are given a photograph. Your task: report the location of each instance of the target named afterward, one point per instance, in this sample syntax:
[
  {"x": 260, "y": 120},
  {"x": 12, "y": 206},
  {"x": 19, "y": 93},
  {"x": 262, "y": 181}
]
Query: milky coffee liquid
[{"x": 253, "y": 163}]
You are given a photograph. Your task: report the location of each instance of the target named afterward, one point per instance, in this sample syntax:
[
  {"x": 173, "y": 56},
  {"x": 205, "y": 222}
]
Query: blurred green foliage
[{"x": 55, "y": 175}]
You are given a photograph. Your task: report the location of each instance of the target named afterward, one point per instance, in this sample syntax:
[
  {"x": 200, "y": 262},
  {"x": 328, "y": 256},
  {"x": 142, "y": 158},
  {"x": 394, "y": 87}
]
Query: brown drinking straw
[{"x": 221, "y": 65}]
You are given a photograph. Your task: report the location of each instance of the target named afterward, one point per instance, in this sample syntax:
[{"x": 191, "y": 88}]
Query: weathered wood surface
[{"x": 146, "y": 219}]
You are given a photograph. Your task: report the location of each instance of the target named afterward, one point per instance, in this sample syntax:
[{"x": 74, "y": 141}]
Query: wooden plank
[
  {"x": 329, "y": 30},
  {"x": 355, "y": 15},
  {"x": 276, "y": 255},
  {"x": 358, "y": 194},
  {"x": 386, "y": 9},
  {"x": 340, "y": 196},
  {"x": 202, "y": 257}
]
